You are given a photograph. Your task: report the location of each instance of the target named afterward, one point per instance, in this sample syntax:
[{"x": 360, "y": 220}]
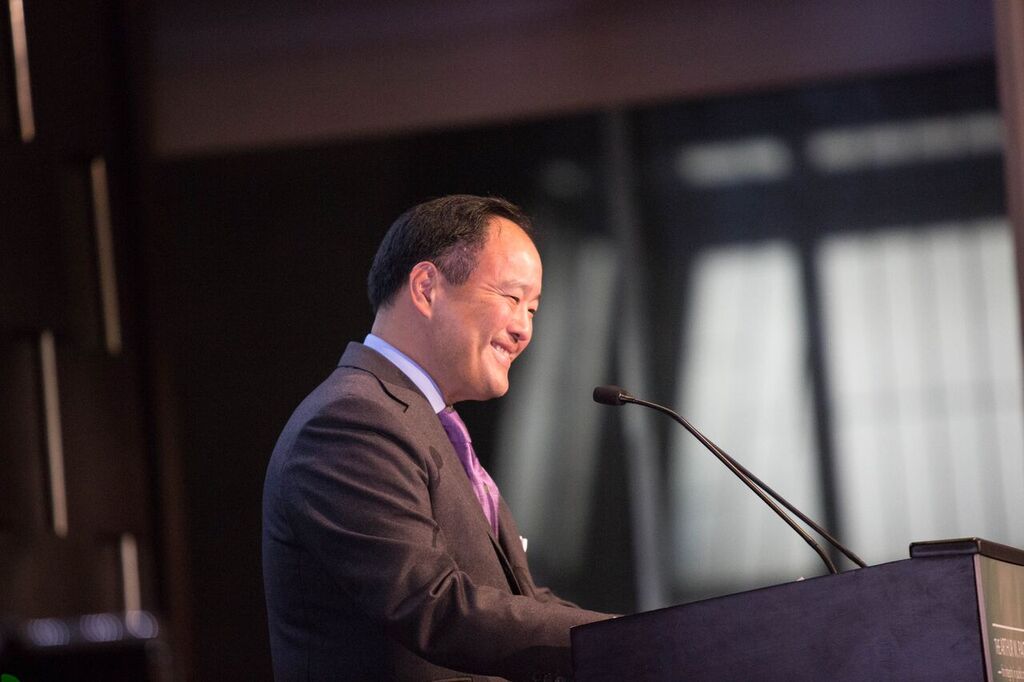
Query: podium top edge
[{"x": 993, "y": 550}]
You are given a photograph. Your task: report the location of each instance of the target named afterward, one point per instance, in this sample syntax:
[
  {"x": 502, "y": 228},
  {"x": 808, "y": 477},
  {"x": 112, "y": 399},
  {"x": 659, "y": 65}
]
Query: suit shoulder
[
  {"x": 354, "y": 400},
  {"x": 361, "y": 399}
]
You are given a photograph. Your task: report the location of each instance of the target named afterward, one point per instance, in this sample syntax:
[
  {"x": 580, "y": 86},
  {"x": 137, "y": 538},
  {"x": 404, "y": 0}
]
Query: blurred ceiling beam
[{"x": 242, "y": 75}]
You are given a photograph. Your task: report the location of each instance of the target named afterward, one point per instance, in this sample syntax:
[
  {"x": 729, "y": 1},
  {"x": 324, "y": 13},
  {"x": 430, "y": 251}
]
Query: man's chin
[
  {"x": 497, "y": 389},
  {"x": 488, "y": 392}
]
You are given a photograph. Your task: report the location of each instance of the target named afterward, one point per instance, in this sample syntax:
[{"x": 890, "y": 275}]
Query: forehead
[
  {"x": 509, "y": 251},
  {"x": 505, "y": 235}
]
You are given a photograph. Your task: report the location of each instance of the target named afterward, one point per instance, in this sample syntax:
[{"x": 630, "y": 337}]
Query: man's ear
[{"x": 424, "y": 281}]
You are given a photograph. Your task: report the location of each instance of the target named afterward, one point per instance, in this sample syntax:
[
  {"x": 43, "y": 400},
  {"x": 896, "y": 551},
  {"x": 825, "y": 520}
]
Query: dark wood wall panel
[
  {"x": 22, "y": 475},
  {"x": 8, "y": 110},
  {"x": 45, "y": 576},
  {"x": 104, "y": 443},
  {"x": 81, "y": 315},
  {"x": 77, "y": 515},
  {"x": 70, "y": 46},
  {"x": 30, "y": 275}
]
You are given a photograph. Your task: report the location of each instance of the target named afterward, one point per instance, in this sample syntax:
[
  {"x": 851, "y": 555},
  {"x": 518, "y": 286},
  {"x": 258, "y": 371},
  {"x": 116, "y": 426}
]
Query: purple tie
[{"x": 486, "y": 491}]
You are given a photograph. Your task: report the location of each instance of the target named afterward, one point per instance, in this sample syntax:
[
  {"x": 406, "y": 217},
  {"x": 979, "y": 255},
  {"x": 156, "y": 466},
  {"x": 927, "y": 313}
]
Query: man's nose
[{"x": 521, "y": 326}]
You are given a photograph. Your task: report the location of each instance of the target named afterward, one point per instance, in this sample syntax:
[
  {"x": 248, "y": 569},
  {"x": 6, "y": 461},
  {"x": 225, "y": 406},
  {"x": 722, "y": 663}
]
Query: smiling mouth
[{"x": 502, "y": 352}]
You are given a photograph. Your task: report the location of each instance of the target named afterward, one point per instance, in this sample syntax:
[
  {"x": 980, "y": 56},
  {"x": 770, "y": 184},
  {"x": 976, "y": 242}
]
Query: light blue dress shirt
[{"x": 409, "y": 368}]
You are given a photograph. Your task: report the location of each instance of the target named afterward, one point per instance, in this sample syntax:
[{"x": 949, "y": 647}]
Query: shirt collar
[{"x": 409, "y": 368}]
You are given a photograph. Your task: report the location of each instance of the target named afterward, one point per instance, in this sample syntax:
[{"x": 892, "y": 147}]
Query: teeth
[{"x": 501, "y": 350}]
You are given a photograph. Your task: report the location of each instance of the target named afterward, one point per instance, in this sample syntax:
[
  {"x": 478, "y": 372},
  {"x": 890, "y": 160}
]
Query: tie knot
[{"x": 454, "y": 426}]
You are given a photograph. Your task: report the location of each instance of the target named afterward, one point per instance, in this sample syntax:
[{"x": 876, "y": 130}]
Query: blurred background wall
[{"x": 786, "y": 219}]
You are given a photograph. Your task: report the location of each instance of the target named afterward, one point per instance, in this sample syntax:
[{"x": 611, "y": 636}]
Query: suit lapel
[{"x": 507, "y": 531}]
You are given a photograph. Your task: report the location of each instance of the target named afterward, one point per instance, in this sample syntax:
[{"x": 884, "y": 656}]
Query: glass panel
[
  {"x": 744, "y": 384},
  {"x": 924, "y": 355}
]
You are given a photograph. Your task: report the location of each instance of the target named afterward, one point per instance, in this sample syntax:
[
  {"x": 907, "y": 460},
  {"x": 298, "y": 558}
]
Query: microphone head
[{"x": 611, "y": 395}]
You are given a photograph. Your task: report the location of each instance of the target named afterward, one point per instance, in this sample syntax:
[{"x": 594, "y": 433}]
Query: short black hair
[{"x": 449, "y": 232}]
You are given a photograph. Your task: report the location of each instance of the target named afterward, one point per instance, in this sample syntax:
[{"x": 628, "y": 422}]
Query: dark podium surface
[{"x": 916, "y": 619}]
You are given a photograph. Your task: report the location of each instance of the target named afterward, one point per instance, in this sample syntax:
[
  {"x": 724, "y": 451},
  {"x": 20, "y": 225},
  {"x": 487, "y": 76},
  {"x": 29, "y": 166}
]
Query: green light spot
[{"x": 8, "y": 678}]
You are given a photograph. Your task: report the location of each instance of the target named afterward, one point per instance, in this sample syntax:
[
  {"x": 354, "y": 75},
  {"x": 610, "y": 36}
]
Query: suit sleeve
[{"x": 358, "y": 497}]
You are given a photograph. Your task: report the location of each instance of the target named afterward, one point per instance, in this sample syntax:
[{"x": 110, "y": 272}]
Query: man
[{"x": 388, "y": 553}]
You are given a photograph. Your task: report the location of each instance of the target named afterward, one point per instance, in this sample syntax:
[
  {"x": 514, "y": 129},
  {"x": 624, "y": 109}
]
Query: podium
[{"x": 953, "y": 611}]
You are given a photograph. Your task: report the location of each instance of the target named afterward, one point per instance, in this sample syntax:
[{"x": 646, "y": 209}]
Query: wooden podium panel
[{"x": 916, "y": 619}]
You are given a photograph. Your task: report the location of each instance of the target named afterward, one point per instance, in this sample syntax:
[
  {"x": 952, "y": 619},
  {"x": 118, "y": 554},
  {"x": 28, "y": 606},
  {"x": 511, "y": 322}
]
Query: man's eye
[{"x": 515, "y": 299}]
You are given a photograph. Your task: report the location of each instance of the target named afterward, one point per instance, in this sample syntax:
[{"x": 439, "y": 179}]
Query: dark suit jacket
[{"x": 378, "y": 561}]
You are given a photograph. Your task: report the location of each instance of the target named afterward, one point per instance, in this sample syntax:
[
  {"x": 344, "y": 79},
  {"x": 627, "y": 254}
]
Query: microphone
[
  {"x": 611, "y": 395},
  {"x": 614, "y": 395}
]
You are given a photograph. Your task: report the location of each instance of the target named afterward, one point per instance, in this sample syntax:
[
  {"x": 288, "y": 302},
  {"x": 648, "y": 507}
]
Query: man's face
[{"x": 483, "y": 324}]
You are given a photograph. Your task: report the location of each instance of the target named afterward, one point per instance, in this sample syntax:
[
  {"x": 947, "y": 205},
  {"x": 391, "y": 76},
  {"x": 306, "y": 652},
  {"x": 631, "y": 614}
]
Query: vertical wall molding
[
  {"x": 1009, "y": 25},
  {"x": 22, "y": 78},
  {"x": 106, "y": 263},
  {"x": 54, "y": 438},
  {"x": 130, "y": 582}
]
